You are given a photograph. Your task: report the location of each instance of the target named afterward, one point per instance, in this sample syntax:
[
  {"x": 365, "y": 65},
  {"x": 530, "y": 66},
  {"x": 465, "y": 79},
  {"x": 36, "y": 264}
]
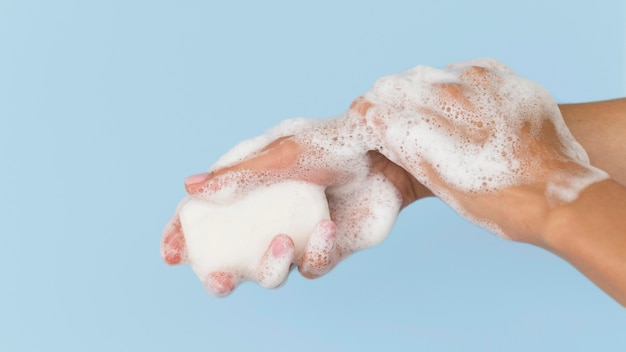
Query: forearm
[
  {"x": 600, "y": 127},
  {"x": 590, "y": 233}
]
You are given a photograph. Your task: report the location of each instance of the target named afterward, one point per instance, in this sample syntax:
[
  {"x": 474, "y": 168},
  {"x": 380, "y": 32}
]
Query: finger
[
  {"x": 280, "y": 160},
  {"x": 457, "y": 113},
  {"x": 360, "y": 105},
  {"x": 407, "y": 185},
  {"x": 452, "y": 95},
  {"x": 195, "y": 183},
  {"x": 364, "y": 213},
  {"x": 320, "y": 254},
  {"x": 220, "y": 283},
  {"x": 173, "y": 249},
  {"x": 263, "y": 167},
  {"x": 485, "y": 62},
  {"x": 276, "y": 263},
  {"x": 360, "y": 108}
]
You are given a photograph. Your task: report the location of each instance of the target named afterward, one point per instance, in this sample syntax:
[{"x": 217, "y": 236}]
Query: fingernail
[
  {"x": 329, "y": 227},
  {"x": 220, "y": 283},
  {"x": 198, "y": 178},
  {"x": 280, "y": 248}
]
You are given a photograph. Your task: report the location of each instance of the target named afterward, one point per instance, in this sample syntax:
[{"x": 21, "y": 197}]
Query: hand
[
  {"x": 491, "y": 144},
  {"x": 364, "y": 190}
]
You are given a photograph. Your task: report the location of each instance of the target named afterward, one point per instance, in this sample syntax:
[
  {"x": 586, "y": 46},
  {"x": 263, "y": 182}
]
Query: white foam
[
  {"x": 469, "y": 129},
  {"x": 253, "y": 146},
  {"x": 233, "y": 237},
  {"x": 472, "y": 141}
]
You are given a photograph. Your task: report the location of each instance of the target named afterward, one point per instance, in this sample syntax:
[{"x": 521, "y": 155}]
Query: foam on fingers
[
  {"x": 320, "y": 253},
  {"x": 220, "y": 283},
  {"x": 469, "y": 128},
  {"x": 234, "y": 237},
  {"x": 173, "y": 247},
  {"x": 472, "y": 123},
  {"x": 276, "y": 263}
]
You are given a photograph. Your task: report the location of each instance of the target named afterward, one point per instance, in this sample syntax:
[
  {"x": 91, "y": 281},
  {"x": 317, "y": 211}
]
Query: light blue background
[{"x": 106, "y": 106}]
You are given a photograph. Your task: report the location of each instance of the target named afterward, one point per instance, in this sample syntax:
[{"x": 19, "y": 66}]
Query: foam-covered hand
[
  {"x": 491, "y": 144},
  {"x": 363, "y": 190}
]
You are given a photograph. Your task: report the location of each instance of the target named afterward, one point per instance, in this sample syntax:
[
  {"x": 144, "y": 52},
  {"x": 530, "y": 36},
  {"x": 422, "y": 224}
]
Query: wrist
[
  {"x": 589, "y": 234},
  {"x": 569, "y": 225},
  {"x": 521, "y": 213},
  {"x": 529, "y": 211}
]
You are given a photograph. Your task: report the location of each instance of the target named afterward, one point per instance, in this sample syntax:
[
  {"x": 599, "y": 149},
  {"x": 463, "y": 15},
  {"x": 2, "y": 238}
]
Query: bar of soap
[{"x": 235, "y": 236}]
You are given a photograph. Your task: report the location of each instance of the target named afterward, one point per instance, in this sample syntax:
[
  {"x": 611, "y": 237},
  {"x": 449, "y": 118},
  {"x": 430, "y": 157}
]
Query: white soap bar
[{"x": 235, "y": 236}]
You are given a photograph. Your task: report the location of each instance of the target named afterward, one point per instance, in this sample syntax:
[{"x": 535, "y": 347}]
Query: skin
[
  {"x": 589, "y": 232},
  {"x": 330, "y": 241},
  {"x": 600, "y": 127}
]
